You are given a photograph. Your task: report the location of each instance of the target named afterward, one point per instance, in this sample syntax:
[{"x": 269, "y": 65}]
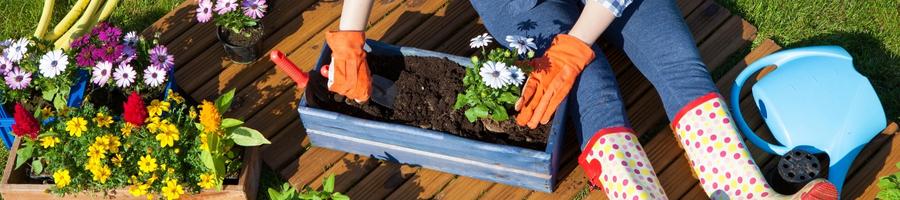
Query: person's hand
[
  {"x": 349, "y": 73},
  {"x": 551, "y": 80}
]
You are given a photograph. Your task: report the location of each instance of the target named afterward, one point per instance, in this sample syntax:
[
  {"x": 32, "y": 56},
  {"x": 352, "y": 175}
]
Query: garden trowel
[{"x": 383, "y": 90}]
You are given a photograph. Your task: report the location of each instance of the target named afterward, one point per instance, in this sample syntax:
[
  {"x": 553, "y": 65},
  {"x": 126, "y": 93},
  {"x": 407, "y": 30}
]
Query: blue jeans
[{"x": 652, "y": 34}]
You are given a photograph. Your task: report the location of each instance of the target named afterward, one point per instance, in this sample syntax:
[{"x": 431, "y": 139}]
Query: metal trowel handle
[{"x": 288, "y": 67}]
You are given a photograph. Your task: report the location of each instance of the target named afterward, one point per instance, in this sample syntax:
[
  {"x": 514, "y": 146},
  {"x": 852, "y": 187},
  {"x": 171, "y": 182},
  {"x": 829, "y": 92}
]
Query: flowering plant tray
[
  {"x": 507, "y": 164},
  {"x": 17, "y": 185}
]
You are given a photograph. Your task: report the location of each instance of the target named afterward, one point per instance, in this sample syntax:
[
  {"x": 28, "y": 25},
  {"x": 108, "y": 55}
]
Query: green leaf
[
  {"x": 499, "y": 114},
  {"x": 48, "y": 94},
  {"x": 470, "y": 115},
  {"x": 231, "y": 122},
  {"x": 207, "y": 160},
  {"x": 248, "y": 137},
  {"x": 36, "y": 166},
  {"x": 508, "y": 97},
  {"x": 885, "y": 183},
  {"x": 460, "y": 101},
  {"x": 328, "y": 186},
  {"x": 481, "y": 111},
  {"x": 475, "y": 60},
  {"x": 309, "y": 196},
  {"x": 23, "y": 154},
  {"x": 339, "y": 196},
  {"x": 275, "y": 195},
  {"x": 224, "y": 101}
]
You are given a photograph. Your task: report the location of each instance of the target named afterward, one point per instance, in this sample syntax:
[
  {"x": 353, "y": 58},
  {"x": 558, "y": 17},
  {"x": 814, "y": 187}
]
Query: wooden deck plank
[
  {"x": 858, "y": 180},
  {"x": 724, "y": 42},
  {"x": 568, "y": 186},
  {"x": 687, "y": 6},
  {"x": 382, "y": 181},
  {"x": 347, "y": 171},
  {"x": 503, "y": 191},
  {"x": 173, "y": 23},
  {"x": 706, "y": 19},
  {"x": 310, "y": 165},
  {"x": 423, "y": 185},
  {"x": 286, "y": 146},
  {"x": 464, "y": 188}
]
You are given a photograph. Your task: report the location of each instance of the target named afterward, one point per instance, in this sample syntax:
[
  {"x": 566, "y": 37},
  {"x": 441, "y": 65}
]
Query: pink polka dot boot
[
  {"x": 720, "y": 160},
  {"x": 614, "y": 161}
]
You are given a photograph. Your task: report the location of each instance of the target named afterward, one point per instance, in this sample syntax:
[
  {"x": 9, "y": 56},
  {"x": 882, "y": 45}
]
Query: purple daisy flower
[
  {"x": 111, "y": 34},
  {"x": 124, "y": 76},
  {"x": 159, "y": 56},
  {"x": 128, "y": 54},
  {"x": 81, "y": 42},
  {"x": 101, "y": 73},
  {"x": 18, "y": 79},
  {"x": 6, "y": 65},
  {"x": 255, "y": 8},
  {"x": 154, "y": 76},
  {"x": 109, "y": 52},
  {"x": 225, "y": 6},
  {"x": 204, "y": 11},
  {"x": 84, "y": 58}
]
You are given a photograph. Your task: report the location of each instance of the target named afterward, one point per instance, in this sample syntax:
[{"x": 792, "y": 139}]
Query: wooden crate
[
  {"x": 401, "y": 143},
  {"x": 17, "y": 185}
]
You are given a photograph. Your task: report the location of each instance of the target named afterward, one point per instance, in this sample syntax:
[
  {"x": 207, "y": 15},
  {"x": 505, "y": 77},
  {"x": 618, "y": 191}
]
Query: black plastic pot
[{"x": 237, "y": 53}]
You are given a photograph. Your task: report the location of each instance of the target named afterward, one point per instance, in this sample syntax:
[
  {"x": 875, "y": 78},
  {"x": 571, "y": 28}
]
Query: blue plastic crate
[{"x": 437, "y": 150}]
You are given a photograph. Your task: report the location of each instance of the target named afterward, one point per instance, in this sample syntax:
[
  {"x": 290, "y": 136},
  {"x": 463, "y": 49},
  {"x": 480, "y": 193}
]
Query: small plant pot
[{"x": 242, "y": 48}]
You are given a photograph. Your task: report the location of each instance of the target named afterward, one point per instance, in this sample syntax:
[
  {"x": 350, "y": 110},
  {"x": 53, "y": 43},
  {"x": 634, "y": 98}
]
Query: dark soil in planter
[
  {"x": 426, "y": 92},
  {"x": 239, "y": 39}
]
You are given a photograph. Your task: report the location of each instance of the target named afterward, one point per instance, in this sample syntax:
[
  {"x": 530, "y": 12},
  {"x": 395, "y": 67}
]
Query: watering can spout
[{"x": 814, "y": 99}]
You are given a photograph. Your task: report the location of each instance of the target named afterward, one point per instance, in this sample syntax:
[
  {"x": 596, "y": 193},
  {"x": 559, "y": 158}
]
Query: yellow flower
[
  {"x": 102, "y": 120},
  {"x": 157, "y": 107},
  {"x": 154, "y": 124},
  {"x": 76, "y": 126},
  {"x": 207, "y": 181},
  {"x": 102, "y": 142},
  {"x": 203, "y": 144},
  {"x": 210, "y": 117},
  {"x": 174, "y": 96},
  {"x": 93, "y": 163},
  {"x": 167, "y": 136},
  {"x": 46, "y": 112},
  {"x": 101, "y": 174},
  {"x": 49, "y": 141},
  {"x": 126, "y": 129},
  {"x": 138, "y": 189},
  {"x": 96, "y": 151},
  {"x": 147, "y": 164},
  {"x": 62, "y": 178},
  {"x": 172, "y": 190},
  {"x": 114, "y": 143},
  {"x": 117, "y": 160},
  {"x": 192, "y": 113}
]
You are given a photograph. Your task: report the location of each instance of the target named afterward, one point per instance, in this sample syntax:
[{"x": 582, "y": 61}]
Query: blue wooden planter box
[
  {"x": 76, "y": 96},
  {"x": 442, "y": 151}
]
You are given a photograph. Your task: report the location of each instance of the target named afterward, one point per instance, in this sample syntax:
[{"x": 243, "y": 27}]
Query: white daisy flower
[
  {"x": 17, "y": 50},
  {"x": 516, "y": 76},
  {"x": 101, "y": 73},
  {"x": 494, "y": 74},
  {"x": 130, "y": 39},
  {"x": 124, "y": 75},
  {"x": 522, "y": 44},
  {"x": 53, "y": 63},
  {"x": 6, "y": 65},
  {"x": 6, "y": 42},
  {"x": 153, "y": 76},
  {"x": 481, "y": 41}
]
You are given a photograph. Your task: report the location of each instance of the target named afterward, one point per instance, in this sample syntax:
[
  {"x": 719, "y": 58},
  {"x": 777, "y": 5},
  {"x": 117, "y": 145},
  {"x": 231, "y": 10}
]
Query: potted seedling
[
  {"x": 439, "y": 111},
  {"x": 238, "y": 26}
]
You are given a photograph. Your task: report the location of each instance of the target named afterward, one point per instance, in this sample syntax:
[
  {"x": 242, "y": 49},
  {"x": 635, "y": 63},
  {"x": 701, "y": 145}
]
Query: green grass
[{"x": 869, "y": 30}]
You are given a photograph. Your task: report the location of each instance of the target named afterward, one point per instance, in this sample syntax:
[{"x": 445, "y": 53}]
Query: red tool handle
[{"x": 289, "y": 68}]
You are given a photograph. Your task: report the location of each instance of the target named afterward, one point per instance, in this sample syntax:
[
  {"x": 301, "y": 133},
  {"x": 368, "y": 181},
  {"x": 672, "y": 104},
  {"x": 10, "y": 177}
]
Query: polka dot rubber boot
[
  {"x": 720, "y": 160},
  {"x": 614, "y": 161}
]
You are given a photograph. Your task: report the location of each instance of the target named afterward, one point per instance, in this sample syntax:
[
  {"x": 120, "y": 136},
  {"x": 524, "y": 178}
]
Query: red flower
[
  {"x": 25, "y": 123},
  {"x": 135, "y": 112}
]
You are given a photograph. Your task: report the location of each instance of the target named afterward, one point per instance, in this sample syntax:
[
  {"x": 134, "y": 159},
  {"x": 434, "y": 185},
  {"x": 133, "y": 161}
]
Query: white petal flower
[
  {"x": 481, "y": 41},
  {"x": 516, "y": 76},
  {"x": 101, "y": 73},
  {"x": 6, "y": 65},
  {"x": 494, "y": 74},
  {"x": 130, "y": 39},
  {"x": 522, "y": 44},
  {"x": 16, "y": 51},
  {"x": 124, "y": 75},
  {"x": 154, "y": 76},
  {"x": 53, "y": 63}
]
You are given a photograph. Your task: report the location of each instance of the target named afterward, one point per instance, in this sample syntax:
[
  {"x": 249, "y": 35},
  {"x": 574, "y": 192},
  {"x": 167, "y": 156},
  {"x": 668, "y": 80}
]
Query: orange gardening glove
[
  {"x": 349, "y": 74},
  {"x": 552, "y": 79}
]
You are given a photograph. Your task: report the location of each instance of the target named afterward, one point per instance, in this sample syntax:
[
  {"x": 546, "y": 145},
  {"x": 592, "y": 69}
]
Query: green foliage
[
  {"x": 218, "y": 142},
  {"x": 482, "y": 101},
  {"x": 235, "y": 21},
  {"x": 889, "y": 186},
  {"x": 53, "y": 91},
  {"x": 288, "y": 192}
]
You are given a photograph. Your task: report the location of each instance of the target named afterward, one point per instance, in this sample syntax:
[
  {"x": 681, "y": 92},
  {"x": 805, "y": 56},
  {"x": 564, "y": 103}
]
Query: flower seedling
[
  {"x": 231, "y": 14},
  {"x": 493, "y": 82},
  {"x": 889, "y": 186}
]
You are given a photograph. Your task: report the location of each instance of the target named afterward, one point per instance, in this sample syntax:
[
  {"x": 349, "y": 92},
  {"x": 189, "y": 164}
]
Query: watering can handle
[{"x": 776, "y": 59}]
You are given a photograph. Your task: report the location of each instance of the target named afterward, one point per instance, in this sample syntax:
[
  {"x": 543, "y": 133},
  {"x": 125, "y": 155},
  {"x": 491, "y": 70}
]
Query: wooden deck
[{"x": 267, "y": 99}]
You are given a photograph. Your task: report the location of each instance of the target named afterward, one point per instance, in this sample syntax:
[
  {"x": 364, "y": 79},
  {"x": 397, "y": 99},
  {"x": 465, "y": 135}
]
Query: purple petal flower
[
  {"x": 255, "y": 8},
  {"x": 101, "y": 73},
  {"x": 159, "y": 56},
  {"x": 111, "y": 34},
  {"x": 6, "y": 65},
  {"x": 17, "y": 79},
  {"x": 84, "y": 58},
  {"x": 225, "y": 6},
  {"x": 204, "y": 11},
  {"x": 154, "y": 76},
  {"x": 110, "y": 52},
  {"x": 128, "y": 54},
  {"x": 16, "y": 51},
  {"x": 131, "y": 39},
  {"x": 124, "y": 75}
]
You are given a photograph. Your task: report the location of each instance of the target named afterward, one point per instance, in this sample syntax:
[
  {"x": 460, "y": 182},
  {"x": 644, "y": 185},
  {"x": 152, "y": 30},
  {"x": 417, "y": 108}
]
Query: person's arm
[
  {"x": 594, "y": 19},
  {"x": 355, "y": 15}
]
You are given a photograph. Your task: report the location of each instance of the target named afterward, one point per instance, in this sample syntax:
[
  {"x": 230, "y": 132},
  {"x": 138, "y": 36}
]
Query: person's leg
[
  {"x": 594, "y": 103},
  {"x": 656, "y": 39}
]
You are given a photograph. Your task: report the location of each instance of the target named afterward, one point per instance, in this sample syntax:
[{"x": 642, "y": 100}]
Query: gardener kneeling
[{"x": 654, "y": 36}]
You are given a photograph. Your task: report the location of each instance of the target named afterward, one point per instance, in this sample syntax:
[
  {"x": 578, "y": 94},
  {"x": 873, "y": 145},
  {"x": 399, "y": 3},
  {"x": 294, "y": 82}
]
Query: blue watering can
[{"x": 814, "y": 101}]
